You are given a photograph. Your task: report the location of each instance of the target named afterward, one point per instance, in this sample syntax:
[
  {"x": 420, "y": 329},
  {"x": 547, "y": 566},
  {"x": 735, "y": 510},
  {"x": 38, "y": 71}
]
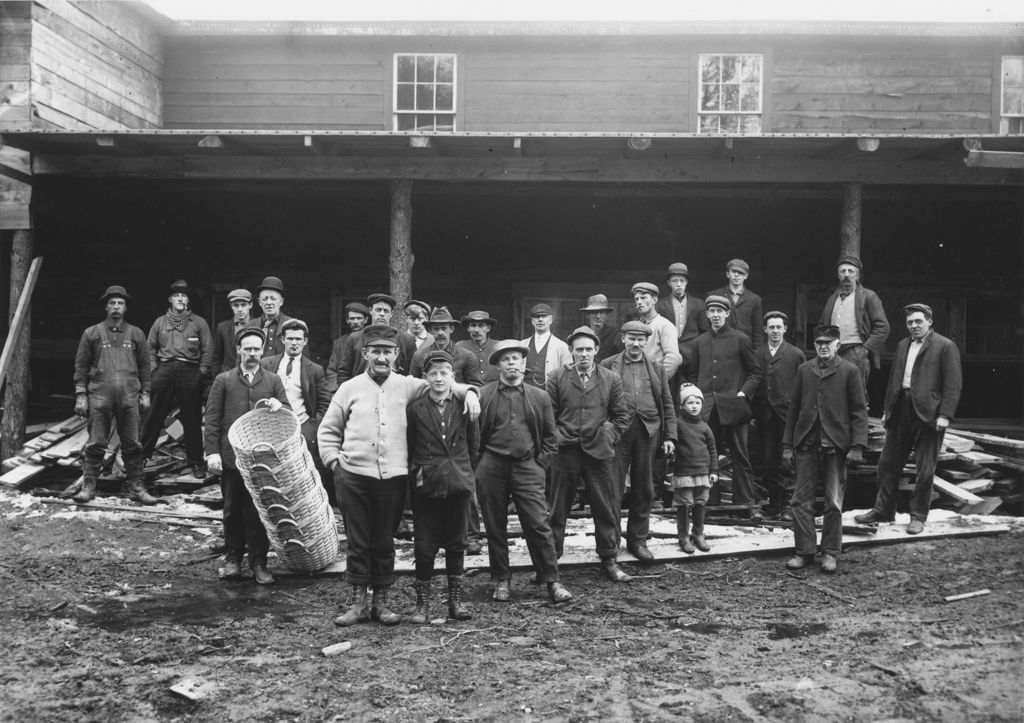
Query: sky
[{"x": 596, "y": 10}]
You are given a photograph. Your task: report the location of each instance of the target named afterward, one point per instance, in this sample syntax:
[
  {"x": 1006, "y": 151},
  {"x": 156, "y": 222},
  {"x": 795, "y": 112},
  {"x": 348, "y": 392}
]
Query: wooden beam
[
  {"x": 16, "y": 164},
  {"x": 995, "y": 159},
  {"x": 15, "y": 204},
  {"x": 227, "y": 143},
  {"x": 849, "y": 226},
  {"x": 14, "y": 358},
  {"x": 951, "y": 151},
  {"x": 849, "y": 147},
  {"x": 123, "y": 145},
  {"x": 401, "y": 259}
]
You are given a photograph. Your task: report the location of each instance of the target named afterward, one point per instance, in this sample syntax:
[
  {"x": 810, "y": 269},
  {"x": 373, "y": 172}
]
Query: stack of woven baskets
[{"x": 279, "y": 473}]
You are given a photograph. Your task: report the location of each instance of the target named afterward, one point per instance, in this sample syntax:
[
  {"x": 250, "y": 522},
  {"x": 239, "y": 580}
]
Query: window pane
[
  {"x": 424, "y": 122},
  {"x": 445, "y": 68},
  {"x": 750, "y": 98},
  {"x": 405, "y": 122},
  {"x": 730, "y": 123},
  {"x": 710, "y": 68},
  {"x": 425, "y": 69},
  {"x": 709, "y": 124},
  {"x": 709, "y": 98},
  {"x": 406, "y": 69},
  {"x": 1013, "y": 71},
  {"x": 751, "y": 69},
  {"x": 730, "y": 70},
  {"x": 445, "y": 97},
  {"x": 424, "y": 97},
  {"x": 404, "y": 97},
  {"x": 730, "y": 97},
  {"x": 750, "y": 124},
  {"x": 444, "y": 122},
  {"x": 1013, "y": 101}
]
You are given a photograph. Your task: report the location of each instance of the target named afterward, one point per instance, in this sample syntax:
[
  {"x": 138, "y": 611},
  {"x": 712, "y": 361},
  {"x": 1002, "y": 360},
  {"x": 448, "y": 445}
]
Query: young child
[{"x": 696, "y": 469}]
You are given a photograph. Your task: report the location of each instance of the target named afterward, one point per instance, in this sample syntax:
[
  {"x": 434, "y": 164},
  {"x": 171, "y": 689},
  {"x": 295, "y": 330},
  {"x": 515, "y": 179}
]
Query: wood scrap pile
[{"x": 57, "y": 446}]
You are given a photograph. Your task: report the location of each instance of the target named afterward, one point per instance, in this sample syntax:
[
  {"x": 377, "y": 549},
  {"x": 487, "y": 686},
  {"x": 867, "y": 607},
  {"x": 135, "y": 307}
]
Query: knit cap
[{"x": 690, "y": 390}]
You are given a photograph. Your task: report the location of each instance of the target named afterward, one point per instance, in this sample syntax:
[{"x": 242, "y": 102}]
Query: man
[
  {"x": 357, "y": 316},
  {"x": 590, "y": 418},
  {"x": 858, "y": 312},
  {"x": 479, "y": 324},
  {"x": 920, "y": 401},
  {"x": 546, "y": 353},
  {"x": 685, "y": 311},
  {"x": 651, "y": 425},
  {"x": 270, "y": 293},
  {"x": 827, "y": 425},
  {"x": 305, "y": 385},
  {"x": 234, "y": 393},
  {"x": 416, "y": 313},
  {"x": 779, "y": 361},
  {"x": 441, "y": 326},
  {"x": 663, "y": 346},
  {"x": 363, "y": 441},
  {"x": 747, "y": 307},
  {"x": 224, "y": 350},
  {"x": 517, "y": 443},
  {"x": 353, "y": 362},
  {"x": 725, "y": 369},
  {"x": 596, "y": 312},
  {"x": 180, "y": 355},
  {"x": 112, "y": 381}
]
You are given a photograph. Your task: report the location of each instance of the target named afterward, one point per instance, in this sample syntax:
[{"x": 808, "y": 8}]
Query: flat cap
[
  {"x": 597, "y": 302},
  {"x": 635, "y": 327},
  {"x": 775, "y": 315},
  {"x": 687, "y": 390},
  {"x": 415, "y": 302},
  {"x": 436, "y": 357},
  {"x": 645, "y": 287},
  {"x": 540, "y": 310},
  {"x": 440, "y": 315},
  {"x": 180, "y": 287},
  {"x": 250, "y": 331},
  {"x": 851, "y": 260},
  {"x": 380, "y": 335},
  {"x": 295, "y": 324},
  {"x": 506, "y": 345},
  {"x": 923, "y": 308},
  {"x": 359, "y": 308},
  {"x": 584, "y": 331},
  {"x": 115, "y": 291},
  {"x": 481, "y": 316},
  {"x": 826, "y": 332},
  {"x": 387, "y": 298},
  {"x": 716, "y": 300},
  {"x": 271, "y": 283},
  {"x": 677, "y": 269},
  {"x": 239, "y": 295},
  {"x": 739, "y": 264}
]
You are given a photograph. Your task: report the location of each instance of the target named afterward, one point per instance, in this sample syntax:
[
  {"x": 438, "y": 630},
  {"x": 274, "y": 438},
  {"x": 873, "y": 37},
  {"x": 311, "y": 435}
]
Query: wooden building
[{"x": 511, "y": 162}]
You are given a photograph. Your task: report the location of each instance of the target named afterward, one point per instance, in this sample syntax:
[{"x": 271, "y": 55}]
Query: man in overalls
[{"x": 111, "y": 384}]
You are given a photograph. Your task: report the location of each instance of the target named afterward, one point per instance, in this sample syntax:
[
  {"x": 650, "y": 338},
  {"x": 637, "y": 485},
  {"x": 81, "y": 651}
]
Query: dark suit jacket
[
  {"x": 836, "y": 393},
  {"x": 611, "y": 342},
  {"x": 935, "y": 382},
  {"x": 230, "y": 398},
  {"x": 746, "y": 316},
  {"x": 540, "y": 419},
  {"x": 353, "y": 364},
  {"x": 696, "y": 319},
  {"x": 872, "y": 323},
  {"x": 722, "y": 365},
  {"x": 463, "y": 369},
  {"x": 660, "y": 388},
  {"x": 778, "y": 373},
  {"x": 225, "y": 352},
  {"x": 440, "y": 467},
  {"x": 315, "y": 392},
  {"x": 594, "y": 418},
  {"x": 334, "y": 362}
]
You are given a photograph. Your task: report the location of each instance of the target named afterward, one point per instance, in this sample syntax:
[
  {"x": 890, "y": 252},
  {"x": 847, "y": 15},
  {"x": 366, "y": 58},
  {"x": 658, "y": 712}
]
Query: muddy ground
[{"x": 101, "y": 615}]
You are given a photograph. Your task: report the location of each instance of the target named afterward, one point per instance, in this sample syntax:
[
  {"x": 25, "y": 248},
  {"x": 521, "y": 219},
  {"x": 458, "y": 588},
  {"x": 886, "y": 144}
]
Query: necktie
[
  {"x": 584, "y": 377},
  {"x": 288, "y": 369}
]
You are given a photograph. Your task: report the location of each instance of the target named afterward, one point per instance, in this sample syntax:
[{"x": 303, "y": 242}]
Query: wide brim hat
[
  {"x": 504, "y": 346},
  {"x": 180, "y": 287},
  {"x": 439, "y": 315},
  {"x": 481, "y": 316},
  {"x": 597, "y": 302},
  {"x": 271, "y": 283},
  {"x": 115, "y": 291},
  {"x": 583, "y": 331}
]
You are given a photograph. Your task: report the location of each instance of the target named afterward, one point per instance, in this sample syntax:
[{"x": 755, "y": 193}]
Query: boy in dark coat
[{"x": 442, "y": 442}]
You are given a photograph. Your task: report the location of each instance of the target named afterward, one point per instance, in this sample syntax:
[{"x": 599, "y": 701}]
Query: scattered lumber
[
  {"x": 957, "y": 493},
  {"x": 967, "y": 595}
]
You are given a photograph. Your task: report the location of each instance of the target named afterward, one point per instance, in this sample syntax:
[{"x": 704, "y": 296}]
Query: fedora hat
[
  {"x": 440, "y": 315},
  {"x": 597, "y": 302},
  {"x": 506, "y": 345},
  {"x": 482, "y": 316},
  {"x": 115, "y": 291}
]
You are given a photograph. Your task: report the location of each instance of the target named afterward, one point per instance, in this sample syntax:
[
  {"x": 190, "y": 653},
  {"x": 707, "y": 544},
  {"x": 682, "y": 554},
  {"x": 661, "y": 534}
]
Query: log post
[
  {"x": 849, "y": 230},
  {"x": 12, "y": 429},
  {"x": 401, "y": 260}
]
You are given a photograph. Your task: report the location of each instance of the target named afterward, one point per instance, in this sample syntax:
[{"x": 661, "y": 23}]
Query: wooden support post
[
  {"x": 849, "y": 230},
  {"x": 402, "y": 258},
  {"x": 12, "y": 428}
]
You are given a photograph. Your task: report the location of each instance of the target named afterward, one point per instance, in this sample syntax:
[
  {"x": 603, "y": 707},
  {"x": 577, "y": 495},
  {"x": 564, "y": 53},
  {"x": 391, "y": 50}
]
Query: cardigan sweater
[{"x": 365, "y": 427}]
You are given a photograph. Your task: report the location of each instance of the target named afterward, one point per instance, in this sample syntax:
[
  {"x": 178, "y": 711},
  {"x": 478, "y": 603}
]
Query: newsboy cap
[
  {"x": 250, "y": 331},
  {"x": 775, "y": 315},
  {"x": 295, "y": 324},
  {"x": 826, "y": 332},
  {"x": 386, "y": 298},
  {"x": 239, "y": 295},
  {"x": 540, "y": 310},
  {"x": 677, "y": 269},
  {"x": 358, "y": 308},
  {"x": 923, "y": 308},
  {"x": 440, "y": 315},
  {"x": 739, "y": 264},
  {"x": 851, "y": 260},
  {"x": 506, "y": 345},
  {"x": 115, "y": 292},
  {"x": 716, "y": 300},
  {"x": 180, "y": 287},
  {"x": 414, "y": 302},
  {"x": 597, "y": 302},
  {"x": 584, "y": 331},
  {"x": 635, "y": 327},
  {"x": 380, "y": 335},
  {"x": 481, "y": 316},
  {"x": 645, "y": 287},
  {"x": 271, "y": 283},
  {"x": 437, "y": 356}
]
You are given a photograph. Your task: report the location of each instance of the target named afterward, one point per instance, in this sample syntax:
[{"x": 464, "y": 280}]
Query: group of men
[{"x": 598, "y": 408}]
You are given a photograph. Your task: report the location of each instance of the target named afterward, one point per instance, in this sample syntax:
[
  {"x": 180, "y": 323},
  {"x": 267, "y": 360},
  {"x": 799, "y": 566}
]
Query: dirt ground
[{"x": 101, "y": 615}]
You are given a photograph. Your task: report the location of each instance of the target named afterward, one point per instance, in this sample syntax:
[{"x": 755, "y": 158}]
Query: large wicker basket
[{"x": 279, "y": 473}]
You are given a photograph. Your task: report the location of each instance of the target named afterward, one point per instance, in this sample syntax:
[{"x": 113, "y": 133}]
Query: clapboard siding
[
  {"x": 277, "y": 83},
  {"x": 95, "y": 65},
  {"x": 15, "y": 45},
  {"x": 883, "y": 85}
]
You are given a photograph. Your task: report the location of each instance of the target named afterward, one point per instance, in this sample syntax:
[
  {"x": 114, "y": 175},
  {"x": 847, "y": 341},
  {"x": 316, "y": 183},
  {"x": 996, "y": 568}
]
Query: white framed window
[
  {"x": 1011, "y": 95},
  {"x": 424, "y": 98},
  {"x": 731, "y": 89}
]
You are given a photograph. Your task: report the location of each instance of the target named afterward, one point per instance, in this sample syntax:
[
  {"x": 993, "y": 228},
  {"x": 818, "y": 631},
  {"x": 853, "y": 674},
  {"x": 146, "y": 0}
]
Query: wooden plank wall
[
  {"x": 15, "y": 44},
  {"x": 94, "y": 65}
]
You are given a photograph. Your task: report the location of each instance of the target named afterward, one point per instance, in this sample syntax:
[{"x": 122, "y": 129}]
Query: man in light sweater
[
  {"x": 362, "y": 440},
  {"x": 663, "y": 346}
]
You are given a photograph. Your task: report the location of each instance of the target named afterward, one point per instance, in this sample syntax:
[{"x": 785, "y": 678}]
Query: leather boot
[
  {"x": 697, "y": 534},
  {"x": 683, "y": 529},
  {"x": 88, "y": 491},
  {"x": 456, "y": 610},
  {"x": 137, "y": 491},
  {"x": 422, "y": 614},
  {"x": 787, "y": 511},
  {"x": 358, "y": 611},
  {"x": 379, "y": 609}
]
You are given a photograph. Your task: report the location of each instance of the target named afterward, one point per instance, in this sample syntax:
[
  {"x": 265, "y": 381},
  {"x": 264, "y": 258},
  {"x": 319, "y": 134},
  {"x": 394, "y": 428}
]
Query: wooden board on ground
[
  {"x": 987, "y": 506},
  {"x": 958, "y": 494},
  {"x": 21, "y": 474},
  {"x": 70, "y": 446},
  {"x": 975, "y": 486},
  {"x": 990, "y": 439}
]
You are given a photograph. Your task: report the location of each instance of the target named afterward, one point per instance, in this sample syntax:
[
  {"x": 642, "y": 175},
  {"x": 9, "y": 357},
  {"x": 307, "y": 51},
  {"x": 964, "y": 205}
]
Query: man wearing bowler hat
[
  {"x": 662, "y": 347},
  {"x": 357, "y": 315},
  {"x": 920, "y": 401},
  {"x": 747, "y": 308},
  {"x": 479, "y": 324},
  {"x": 224, "y": 350},
  {"x": 724, "y": 367},
  {"x": 546, "y": 353},
  {"x": 827, "y": 428},
  {"x": 596, "y": 312},
  {"x": 590, "y": 418},
  {"x": 858, "y": 312},
  {"x": 270, "y": 294},
  {"x": 651, "y": 428},
  {"x": 181, "y": 355},
  {"x": 112, "y": 380}
]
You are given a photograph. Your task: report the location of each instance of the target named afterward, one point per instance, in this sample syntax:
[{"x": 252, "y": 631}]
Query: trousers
[
  {"x": 571, "y": 464},
  {"x": 907, "y": 432}
]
